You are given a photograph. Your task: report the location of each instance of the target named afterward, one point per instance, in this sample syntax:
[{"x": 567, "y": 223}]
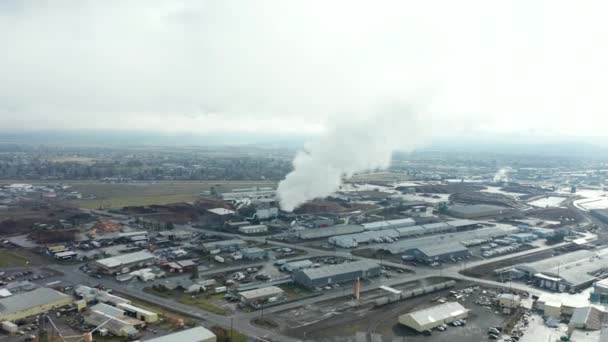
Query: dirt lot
[{"x": 342, "y": 319}]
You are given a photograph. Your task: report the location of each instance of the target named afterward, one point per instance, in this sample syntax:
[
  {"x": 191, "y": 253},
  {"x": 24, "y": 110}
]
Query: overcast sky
[{"x": 525, "y": 67}]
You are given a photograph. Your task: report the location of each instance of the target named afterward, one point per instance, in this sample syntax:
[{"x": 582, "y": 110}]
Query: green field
[
  {"x": 10, "y": 259},
  {"x": 148, "y": 193}
]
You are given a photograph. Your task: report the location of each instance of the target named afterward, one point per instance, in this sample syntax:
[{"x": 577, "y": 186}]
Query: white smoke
[
  {"x": 348, "y": 147},
  {"x": 502, "y": 175}
]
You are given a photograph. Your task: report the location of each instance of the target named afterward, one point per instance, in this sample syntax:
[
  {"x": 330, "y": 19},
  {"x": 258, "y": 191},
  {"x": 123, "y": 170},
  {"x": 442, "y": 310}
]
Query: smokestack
[{"x": 357, "y": 289}]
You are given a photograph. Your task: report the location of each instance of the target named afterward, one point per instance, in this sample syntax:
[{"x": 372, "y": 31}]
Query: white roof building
[
  {"x": 198, "y": 334},
  {"x": 435, "y": 316}
]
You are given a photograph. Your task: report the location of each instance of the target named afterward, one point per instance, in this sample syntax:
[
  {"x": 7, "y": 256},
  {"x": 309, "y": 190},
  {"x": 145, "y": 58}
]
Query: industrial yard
[{"x": 367, "y": 264}]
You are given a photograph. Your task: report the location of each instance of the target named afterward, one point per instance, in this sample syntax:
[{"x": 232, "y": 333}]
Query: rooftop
[
  {"x": 25, "y": 300},
  {"x": 347, "y": 267},
  {"x": 196, "y": 334},
  {"x": 125, "y": 259},
  {"x": 434, "y": 250},
  {"x": 261, "y": 292},
  {"x": 437, "y": 313}
]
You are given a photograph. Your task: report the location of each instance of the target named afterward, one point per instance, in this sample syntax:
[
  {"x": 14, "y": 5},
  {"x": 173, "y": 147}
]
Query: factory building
[
  {"x": 123, "y": 263},
  {"x": 31, "y": 303},
  {"x": 297, "y": 265},
  {"x": 255, "y": 229},
  {"x": 197, "y": 334},
  {"x": 390, "y": 224},
  {"x": 318, "y": 233},
  {"x": 333, "y": 274},
  {"x": 427, "y": 319},
  {"x": 567, "y": 272},
  {"x": 225, "y": 245},
  {"x": 476, "y": 210},
  {"x": 258, "y": 295}
]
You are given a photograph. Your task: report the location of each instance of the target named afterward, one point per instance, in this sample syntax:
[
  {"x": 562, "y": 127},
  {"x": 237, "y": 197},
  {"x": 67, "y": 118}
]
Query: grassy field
[
  {"x": 148, "y": 193},
  {"x": 10, "y": 259},
  {"x": 202, "y": 303}
]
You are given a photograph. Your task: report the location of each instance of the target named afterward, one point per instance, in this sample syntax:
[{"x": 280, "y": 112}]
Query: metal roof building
[
  {"x": 352, "y": 240},
  {"x": 260, "y": 294},
  {"x": 435, "y": 316},
  {"x": 404, "y": 246},
  {"x": 571, "y": 271},
  {"x": 317, "y": 233},
  {"x": 332, "y": 274},
  {"x": 475, "y": 210},
  {"x": 436, "y": 252},
  {"x": 296, "y": 265},
  {"x": 197, "y": 334},
  {"x": 399, "y": 223},
  {"x": 115, "y": 263},
  {"x": 224, "y": 245},
  {"x": 26, "y": 304}
]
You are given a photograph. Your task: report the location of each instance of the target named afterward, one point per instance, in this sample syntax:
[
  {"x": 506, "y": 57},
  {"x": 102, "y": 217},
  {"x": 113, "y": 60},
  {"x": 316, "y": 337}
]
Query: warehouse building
[
  {"x": 116, "y": 264},
  {"x": 255, "y": 229},
  {"x": 114, "y": 320},
  {"x": 31, "y": 303},
  {"x": 390, "y": 224},
  {"x": 409, "y": 245},
  {"x": 254, "y": 253},
  {"x": 258, "y": 295},
  {"x": 588, "y": 318},
  {"x": 476, "y": 210},
  {"x": 353, "y": 240},
  {"x": 427, "y": 319},
  {"x": 567, "y": 272},
  {"x": 297, "y": 265},
  {"x": 334, "y": 274},
  {"x": 318, "y": 233},
  {"x": 450, "y": 250},
  {"x": 197, "y": 334},
  {"x": 139, "y": 313},
  {"x": 225, "y": 245},
  {"x": 464, "y": 224}
]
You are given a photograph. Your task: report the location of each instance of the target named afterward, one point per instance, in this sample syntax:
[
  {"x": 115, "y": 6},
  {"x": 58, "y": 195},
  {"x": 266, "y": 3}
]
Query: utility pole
[
  {"x": 231, "y": 328},
  {"x": 43, "y": 335}
]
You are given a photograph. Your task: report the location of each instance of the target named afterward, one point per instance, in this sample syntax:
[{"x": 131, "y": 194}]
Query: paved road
[{"x": 242, "y": 320}]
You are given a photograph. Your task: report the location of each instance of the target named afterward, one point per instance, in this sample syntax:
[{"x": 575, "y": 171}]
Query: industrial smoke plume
[
  {"x": 348, "y": 147},
  {"x": 502, "y": 175}
]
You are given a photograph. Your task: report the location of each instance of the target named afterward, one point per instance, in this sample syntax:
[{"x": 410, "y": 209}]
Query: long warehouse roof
[
  {"x": 25, "y": 300},
  {"x": 125, "y": 259},
  {"x": 331, "y": 270}
]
